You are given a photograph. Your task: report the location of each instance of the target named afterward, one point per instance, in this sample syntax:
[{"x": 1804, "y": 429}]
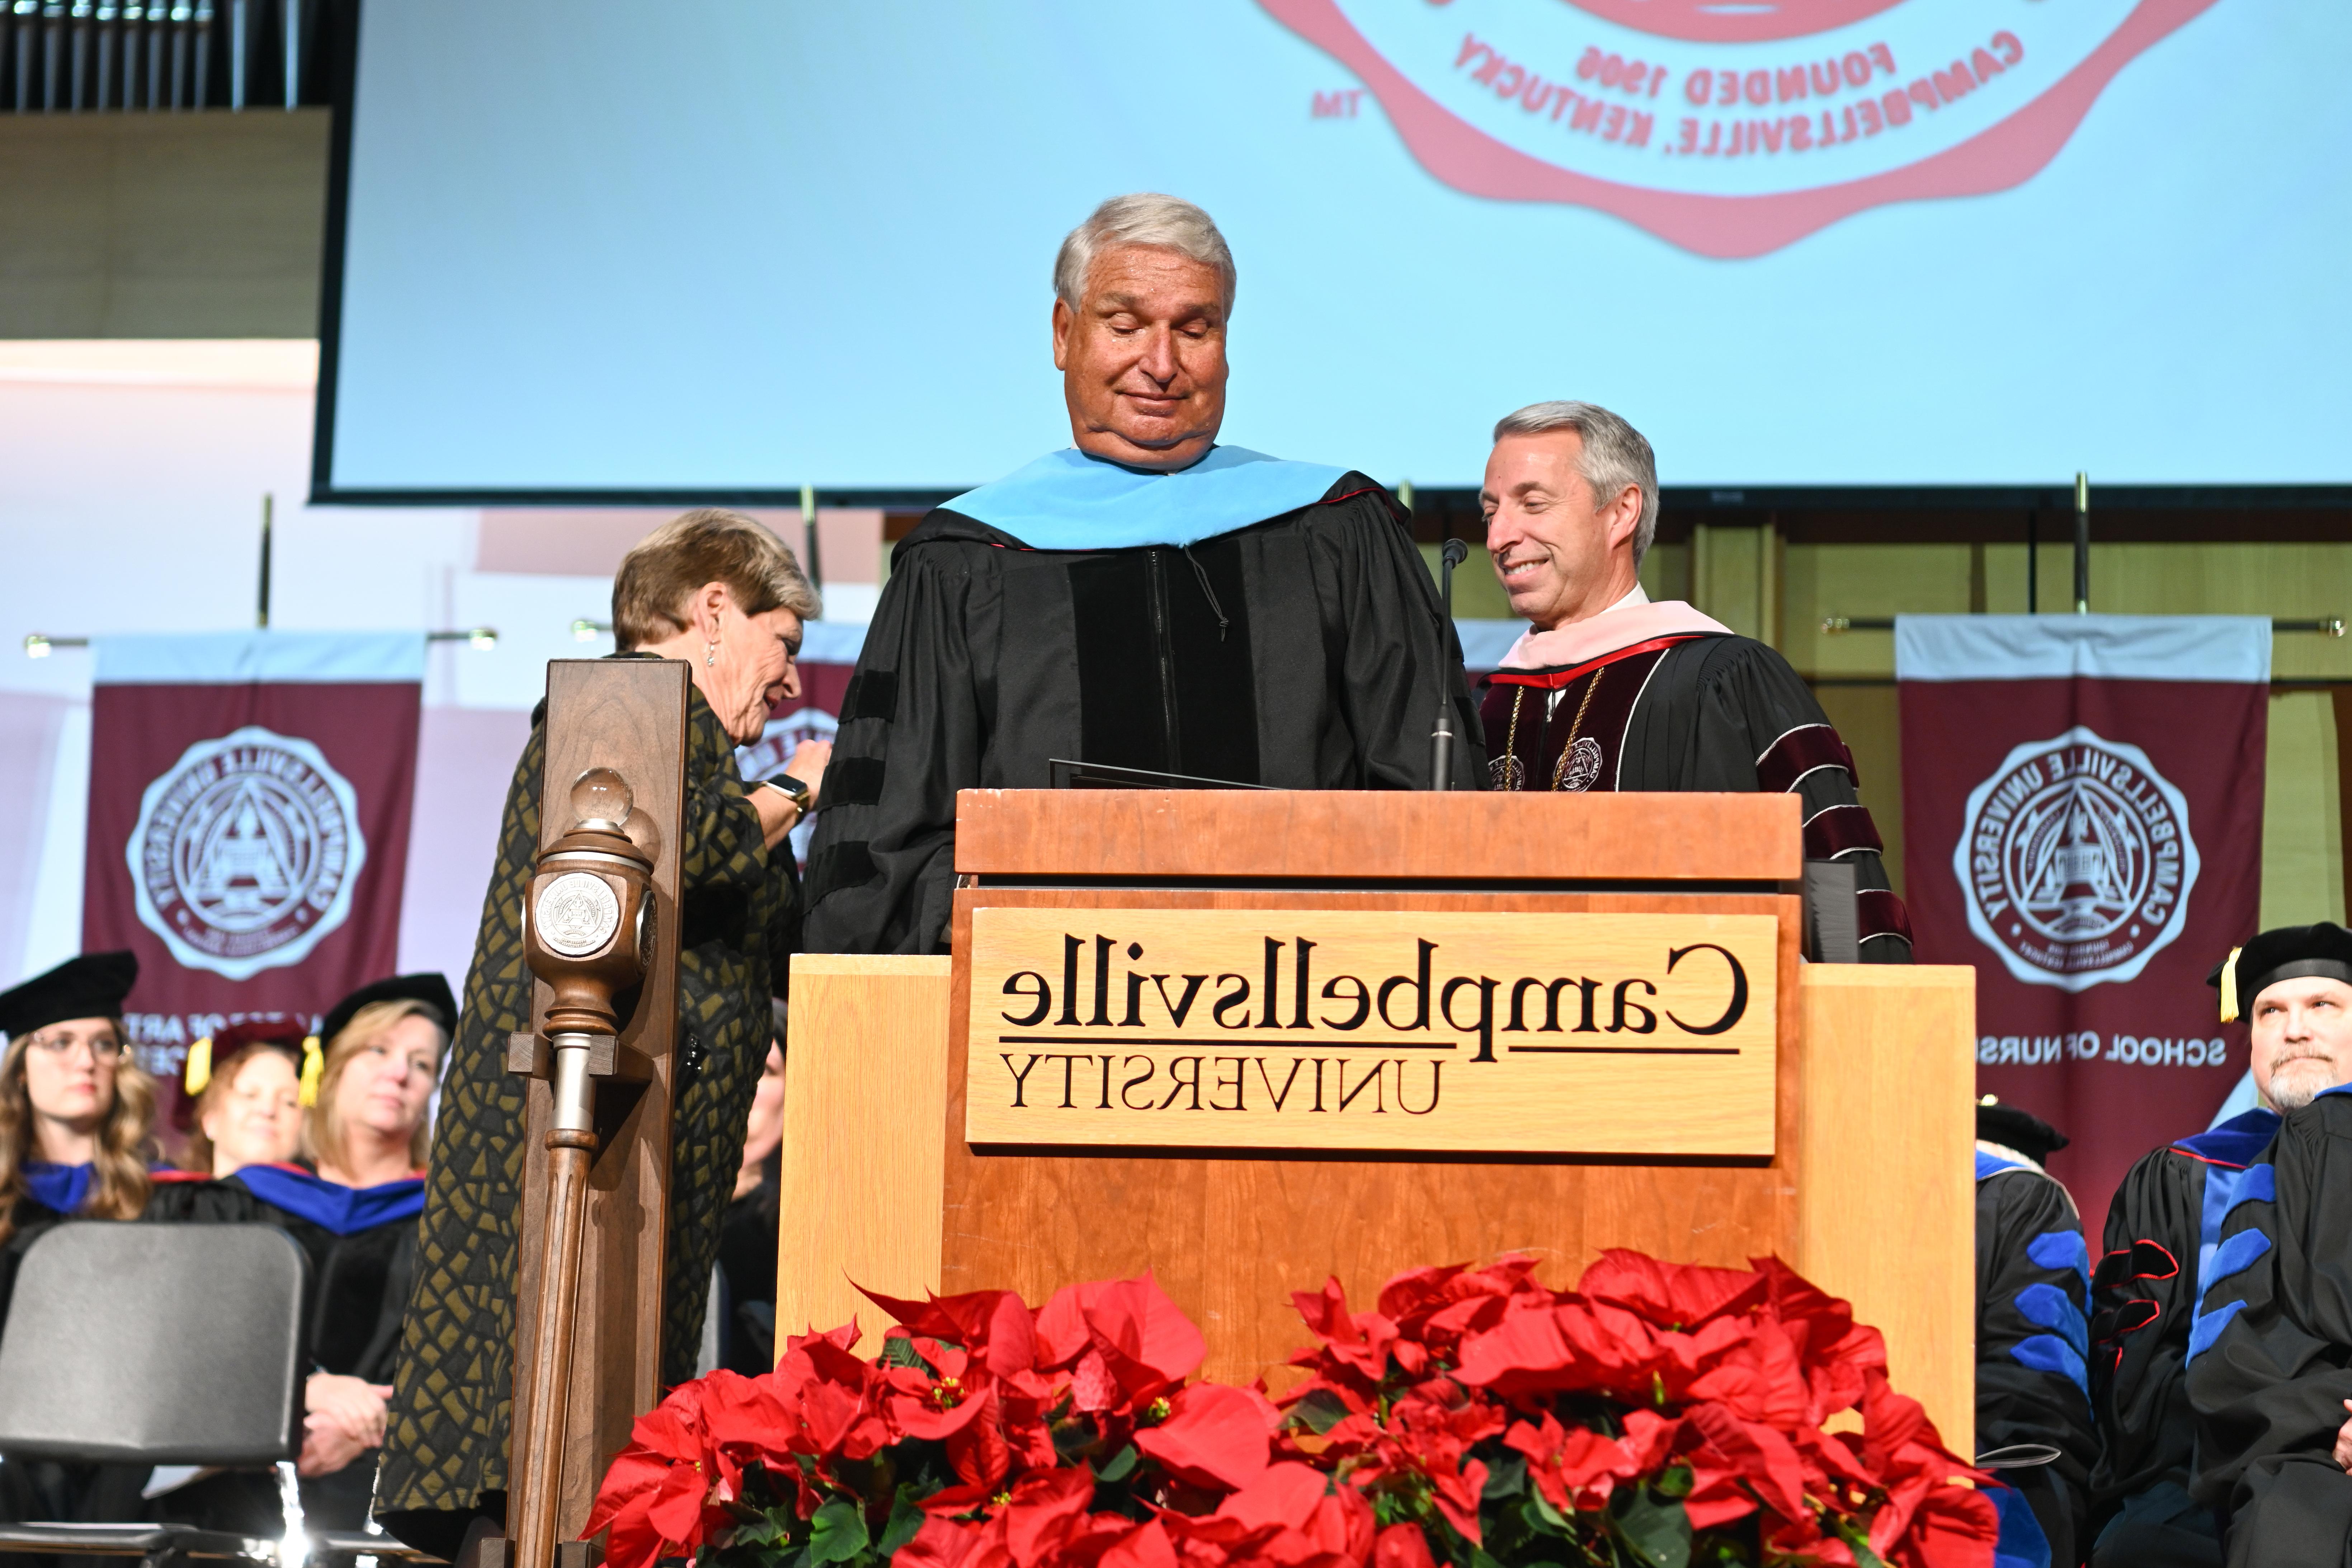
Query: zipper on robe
[{"x": 1163, "y": 645}]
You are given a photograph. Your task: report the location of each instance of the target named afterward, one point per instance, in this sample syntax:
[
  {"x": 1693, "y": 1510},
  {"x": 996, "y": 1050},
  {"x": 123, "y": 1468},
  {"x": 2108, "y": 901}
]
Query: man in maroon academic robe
[{"x": 1610, "y": 691}]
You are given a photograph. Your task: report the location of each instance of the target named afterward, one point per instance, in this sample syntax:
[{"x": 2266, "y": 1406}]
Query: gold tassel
[
  {"x": 314, "y": 1067},
  {"x": 2230, "y": 986},
  {"x": 200, "y": 1064}
]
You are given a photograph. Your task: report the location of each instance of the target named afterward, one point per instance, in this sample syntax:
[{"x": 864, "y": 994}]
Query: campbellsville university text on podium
[{"x": 1396, "y": 1029}]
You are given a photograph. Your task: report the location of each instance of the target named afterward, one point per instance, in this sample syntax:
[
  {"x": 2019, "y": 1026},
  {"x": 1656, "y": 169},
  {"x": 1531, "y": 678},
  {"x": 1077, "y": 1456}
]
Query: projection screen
[{"x": 727, "y": 248}]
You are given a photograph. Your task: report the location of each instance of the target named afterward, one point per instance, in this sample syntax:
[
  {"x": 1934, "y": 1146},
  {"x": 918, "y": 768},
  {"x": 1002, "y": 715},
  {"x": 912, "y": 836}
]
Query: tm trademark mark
[{"x": 1340, "y": 105}]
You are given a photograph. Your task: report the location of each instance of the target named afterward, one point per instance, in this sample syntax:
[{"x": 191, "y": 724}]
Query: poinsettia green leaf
[
  {"x": 1674, "y": 1481},
  {"x": 1120, "y": 1465},
  {"x": 1542, "y": 1516},
  {"x": 1320, "y": 1411},
  {"x": 1507, "y": 1474},
  {"x": 1656, "y": 1530},
  {"x": 1857, "y": 1541},
  {"x": 773, "y": 1526},
  {"x": 906, "y": 1519},
  {"x": 838, "y": 1534},
  {"x": 1074, "y": 1441},
  {"x": 899, "y": 1350}
]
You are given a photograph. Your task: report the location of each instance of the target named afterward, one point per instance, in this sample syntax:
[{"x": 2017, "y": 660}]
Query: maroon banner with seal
[
  {"x": 249, "y": 826},
  {"x": 2082, "y": 822}
]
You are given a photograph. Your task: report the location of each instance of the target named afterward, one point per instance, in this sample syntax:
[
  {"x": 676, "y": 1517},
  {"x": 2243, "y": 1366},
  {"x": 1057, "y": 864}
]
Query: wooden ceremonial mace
[
  {"x": 600, "y": 935},
  {"x": 584, "y": 932}
]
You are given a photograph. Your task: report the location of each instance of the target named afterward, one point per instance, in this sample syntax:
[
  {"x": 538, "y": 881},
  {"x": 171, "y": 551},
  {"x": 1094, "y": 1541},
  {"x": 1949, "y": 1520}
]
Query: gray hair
[
  {"x": 1166, "y": 222},
  {"x": 1615, "y": 455}
]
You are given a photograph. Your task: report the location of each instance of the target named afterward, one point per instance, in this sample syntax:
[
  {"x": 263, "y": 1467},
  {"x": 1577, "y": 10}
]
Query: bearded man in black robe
[
  {"x": 1610, "y": 691},
  {"x": 2033, "y": 1412},
  {"x": 2270, "y": 1348},
  {"x": 1145, "y": 599},
  {"x": 2163, "y": 1237}
]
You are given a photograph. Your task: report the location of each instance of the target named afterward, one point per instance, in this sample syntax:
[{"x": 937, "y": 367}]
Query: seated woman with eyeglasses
[{"x": 76, "y": 1112}]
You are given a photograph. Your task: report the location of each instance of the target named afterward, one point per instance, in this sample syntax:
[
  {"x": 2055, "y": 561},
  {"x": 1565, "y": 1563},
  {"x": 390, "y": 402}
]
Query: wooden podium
[{"x": 1595, "y": 1002}]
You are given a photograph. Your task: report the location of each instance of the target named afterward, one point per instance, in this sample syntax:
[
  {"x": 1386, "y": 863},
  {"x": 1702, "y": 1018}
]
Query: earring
[{"x": 712, "y": 656}]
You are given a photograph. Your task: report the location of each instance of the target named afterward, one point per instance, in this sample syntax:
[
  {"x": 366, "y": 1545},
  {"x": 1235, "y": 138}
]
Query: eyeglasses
[{"x": 102, "y": 1048}]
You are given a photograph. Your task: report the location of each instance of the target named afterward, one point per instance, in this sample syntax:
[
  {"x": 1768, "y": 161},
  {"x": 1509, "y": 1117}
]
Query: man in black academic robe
[
  {"x": 2164, "y": 1221},
  {"x": 1146, "y": 600},
  {"x": 2033, "y": 1417},
  {"x": 2270, "y": 1348},
  {"x": 1610, "y": 691}
]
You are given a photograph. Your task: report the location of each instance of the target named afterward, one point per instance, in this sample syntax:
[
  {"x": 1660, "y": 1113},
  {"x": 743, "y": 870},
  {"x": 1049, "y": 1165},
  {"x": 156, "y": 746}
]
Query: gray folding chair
[{"x": 163, "y": 1344}]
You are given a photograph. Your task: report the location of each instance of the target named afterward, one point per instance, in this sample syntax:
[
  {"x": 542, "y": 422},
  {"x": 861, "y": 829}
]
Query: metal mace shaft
[{"x": 570, "y": 1144}]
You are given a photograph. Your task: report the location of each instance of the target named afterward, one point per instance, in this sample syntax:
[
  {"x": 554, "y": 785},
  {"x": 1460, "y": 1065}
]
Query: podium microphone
[{"x": 1441, "y": 739}]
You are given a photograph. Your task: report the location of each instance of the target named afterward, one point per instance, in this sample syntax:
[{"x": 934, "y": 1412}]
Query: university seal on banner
[
  {"x": 244, "y": 852},
  {"x": 1733, "y": 130},
  {"x": 2075, "y": 860}
]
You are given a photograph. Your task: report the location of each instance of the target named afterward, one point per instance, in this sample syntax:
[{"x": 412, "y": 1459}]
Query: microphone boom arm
[{"x": 1441, "y": 739}]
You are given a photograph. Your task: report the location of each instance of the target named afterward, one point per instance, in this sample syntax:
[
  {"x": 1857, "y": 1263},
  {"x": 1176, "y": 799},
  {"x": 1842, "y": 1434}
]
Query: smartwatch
[{"x": 790, "y": 788}]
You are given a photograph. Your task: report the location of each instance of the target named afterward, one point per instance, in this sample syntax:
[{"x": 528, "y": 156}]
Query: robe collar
[
  {"x": 62, "y": 1189},
  {"x": 2236, "y": 1142},
  {"x": 1071, "y": 501},
  {"x": 331, "y": 1205},
  {"x": 1631, "y": 619},
  {"x": 1993, "y": 1158}
]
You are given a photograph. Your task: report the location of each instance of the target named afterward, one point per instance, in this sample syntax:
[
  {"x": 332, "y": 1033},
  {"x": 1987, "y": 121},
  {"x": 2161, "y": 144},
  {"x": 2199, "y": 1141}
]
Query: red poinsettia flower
[
  {"x": 1145, "y": 1545},
  {"x": 1952, "y": 1527},
  {"x": 1290, "y": 1516},
  {"x": 1723, "y": 1377},
  {"x": 1123, "y": 1340},
  {"x": 1402, "y": 1546},
  {"x": 1434, "y": 1307},
  {"x": 1757, "y": 1455},
  {"x": 658, "y": 1492},
  {"x": 1573, "y": 1466},
  {"x": 1360, "y": 1341},
  {"x": 995, "y": 1328},
  {"x": 1670, "y": 1295},
  {"x": 1214, "y": 1436},
  {"x": 1427, "y": 1435}
]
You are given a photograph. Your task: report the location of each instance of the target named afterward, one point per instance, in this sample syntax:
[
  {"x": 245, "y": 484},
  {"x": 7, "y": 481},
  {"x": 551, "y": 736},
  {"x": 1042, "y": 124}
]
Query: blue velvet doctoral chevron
[
  {"x": 331, "y": 1205},
  {"x": 2062, "y": 1313},
  {"x": 1069, "y": 500},
  {"x": 2217, "y": 1259}
]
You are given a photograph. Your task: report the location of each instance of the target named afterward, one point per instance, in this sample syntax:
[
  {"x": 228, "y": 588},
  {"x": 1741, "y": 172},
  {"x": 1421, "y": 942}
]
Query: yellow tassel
[
  {"x": 2230, "y": 986},
  {"x": 200, "y": 1064},
  {"x": 314, "y": 1067}
]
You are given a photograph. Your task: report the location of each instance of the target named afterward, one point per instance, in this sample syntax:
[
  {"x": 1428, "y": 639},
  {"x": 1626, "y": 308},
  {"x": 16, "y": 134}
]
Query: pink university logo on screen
[
  {"x": 244, "y": 852},
  {"x": 1733, "y": 130},
  {"x": 2076, "y": 861}
]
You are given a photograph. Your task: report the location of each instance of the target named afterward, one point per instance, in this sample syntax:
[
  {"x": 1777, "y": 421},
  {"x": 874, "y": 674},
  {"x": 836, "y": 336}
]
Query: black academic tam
[
  {"x": 2323, "y": 951},
  {"x": 1307, "y": 651},
  {"x": 91, "y": 986},
  {"x": 429, "y": 988}
]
